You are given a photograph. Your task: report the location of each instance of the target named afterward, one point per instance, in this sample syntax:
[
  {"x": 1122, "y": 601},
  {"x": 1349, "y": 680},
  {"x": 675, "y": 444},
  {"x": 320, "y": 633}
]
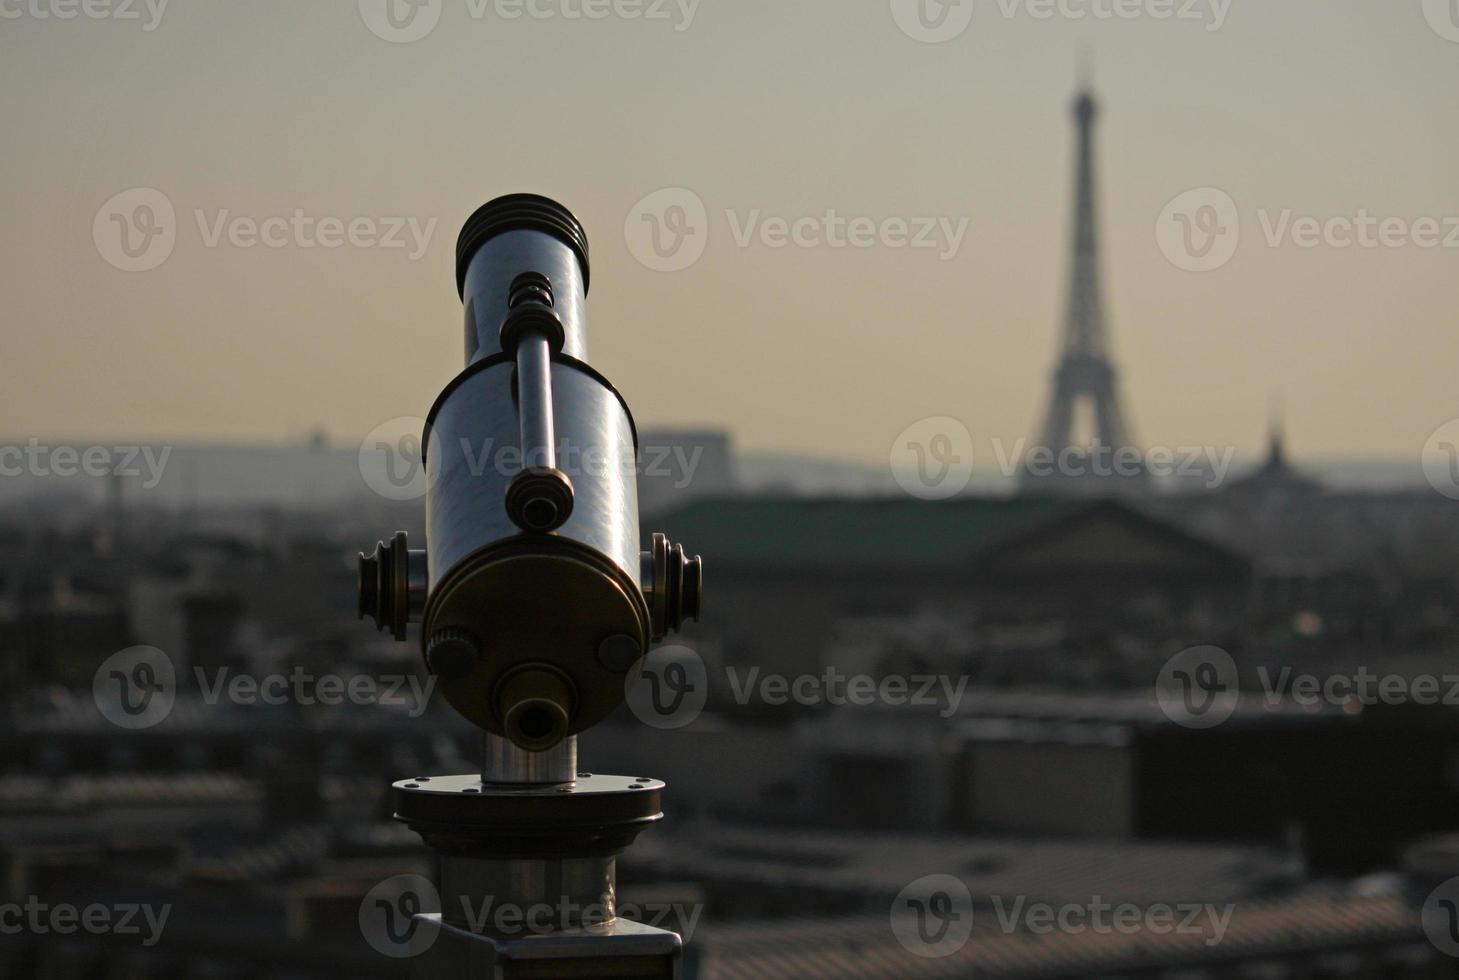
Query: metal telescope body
[{"x": 535, "y": 602}]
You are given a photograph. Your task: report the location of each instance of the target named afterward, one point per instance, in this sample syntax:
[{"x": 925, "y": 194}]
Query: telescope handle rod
[{"x": 534, "y": 398}]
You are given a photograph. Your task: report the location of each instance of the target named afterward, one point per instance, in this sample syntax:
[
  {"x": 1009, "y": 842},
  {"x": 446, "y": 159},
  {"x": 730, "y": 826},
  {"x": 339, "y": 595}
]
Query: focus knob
[
  {"x": 392, "y": 585},
  {"x": 452, "y": 653},
  {"x": 673, "y": 584}
]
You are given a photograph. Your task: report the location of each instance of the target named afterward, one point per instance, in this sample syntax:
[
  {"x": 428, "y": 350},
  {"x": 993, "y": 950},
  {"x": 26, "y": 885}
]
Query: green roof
[{"x": 850, "y": 531}]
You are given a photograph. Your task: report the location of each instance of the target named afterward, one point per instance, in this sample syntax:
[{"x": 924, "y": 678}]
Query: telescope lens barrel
[
  {"x": 533, "y": 595},
  {"x": 509, "y": 236},
  {"x": 532, "y": 513}
]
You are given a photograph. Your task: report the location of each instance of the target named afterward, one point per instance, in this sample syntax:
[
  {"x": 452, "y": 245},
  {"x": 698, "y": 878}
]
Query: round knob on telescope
[
  {"x": 693, "y": 588},
  {"x": 384, "y": 585},
  {"x": 539, "y": 499},
  {"x": 452, "y": 653},
  {"x": 673, "y": 585}
]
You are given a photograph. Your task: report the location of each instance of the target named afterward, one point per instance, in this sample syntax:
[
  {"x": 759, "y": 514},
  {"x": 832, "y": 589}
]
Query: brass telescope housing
[{"x": 534, "y": 595}]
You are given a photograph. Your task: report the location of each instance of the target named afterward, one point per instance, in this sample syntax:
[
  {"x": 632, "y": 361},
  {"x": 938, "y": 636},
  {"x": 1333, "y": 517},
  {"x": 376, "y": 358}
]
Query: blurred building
[{"x": 679, "y": 465}]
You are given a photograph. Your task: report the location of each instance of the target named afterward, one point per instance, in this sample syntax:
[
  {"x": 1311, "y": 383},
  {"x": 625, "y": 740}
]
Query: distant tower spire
[
  {"x": 1085, "y": 373},
  {"x": 1277, "y": 434}
]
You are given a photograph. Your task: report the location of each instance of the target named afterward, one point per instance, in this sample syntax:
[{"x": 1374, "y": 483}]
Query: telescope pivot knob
[
  {"x": 452, "y": 653},
  {"x": 384, "y": 585},
  {"x": 673, "y": 585}
]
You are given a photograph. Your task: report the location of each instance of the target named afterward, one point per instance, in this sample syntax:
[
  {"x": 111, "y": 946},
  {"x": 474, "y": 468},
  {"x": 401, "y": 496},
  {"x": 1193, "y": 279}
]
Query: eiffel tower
[{"x": 1085, "y": 373}]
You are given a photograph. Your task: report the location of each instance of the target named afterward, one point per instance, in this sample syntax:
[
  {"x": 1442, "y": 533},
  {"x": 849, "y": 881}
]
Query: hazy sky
[{"x": 764, "y": 110}]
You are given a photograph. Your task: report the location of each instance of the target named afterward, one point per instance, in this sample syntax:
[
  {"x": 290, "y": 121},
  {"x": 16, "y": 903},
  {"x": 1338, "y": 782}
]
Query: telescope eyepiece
[
  {"x": 519, "y": 212},
  {"x": 535, "y": 703}
]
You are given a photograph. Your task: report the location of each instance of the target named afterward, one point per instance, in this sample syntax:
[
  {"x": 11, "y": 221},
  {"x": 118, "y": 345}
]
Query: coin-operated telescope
[{"x": 534, "y": 597}]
